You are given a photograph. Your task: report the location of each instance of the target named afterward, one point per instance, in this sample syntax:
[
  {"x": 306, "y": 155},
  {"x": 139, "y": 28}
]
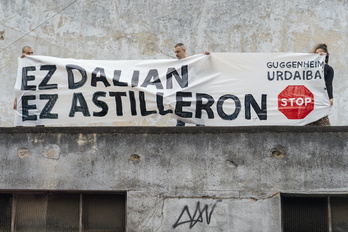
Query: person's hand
[
  {"x": 23, "y": 55},
  {"x": 15, "y": 104},
  {"x": 206, "y": 53},
  {"x": 331, "y": 102}
]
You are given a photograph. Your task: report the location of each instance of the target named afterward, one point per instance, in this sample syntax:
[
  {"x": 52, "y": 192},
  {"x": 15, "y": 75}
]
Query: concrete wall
[
  {"x": 148, "y": 29},
  {"x": 169, "y": 172}
]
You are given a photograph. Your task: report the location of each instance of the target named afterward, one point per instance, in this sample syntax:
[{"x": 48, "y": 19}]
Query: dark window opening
[
  {"x": 303, "y": 213},
  {"x": 62, "y": 212}
]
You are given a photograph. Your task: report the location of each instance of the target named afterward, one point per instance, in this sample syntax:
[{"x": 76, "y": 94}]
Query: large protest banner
[{"x": 221, "y": 89}]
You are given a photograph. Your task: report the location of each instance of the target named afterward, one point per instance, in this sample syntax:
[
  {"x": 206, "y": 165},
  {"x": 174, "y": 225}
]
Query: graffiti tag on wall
[{"x": 198, "y": 215}]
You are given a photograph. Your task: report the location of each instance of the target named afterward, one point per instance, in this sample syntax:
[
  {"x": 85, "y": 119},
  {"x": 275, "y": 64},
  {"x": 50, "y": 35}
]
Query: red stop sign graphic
[{"x": 296, "y": 102}]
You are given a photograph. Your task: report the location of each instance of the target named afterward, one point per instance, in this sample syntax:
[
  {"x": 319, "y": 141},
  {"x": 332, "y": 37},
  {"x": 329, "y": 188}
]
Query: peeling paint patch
[
  {"x": 278, "y": 152},
  {"x": 86, "y": 139},
  {"x": 231, "y": 163},
  {"x": 23, "y": 152},
  {"x": 134, "y": 157},
  {"x": 51, "y": 151}
]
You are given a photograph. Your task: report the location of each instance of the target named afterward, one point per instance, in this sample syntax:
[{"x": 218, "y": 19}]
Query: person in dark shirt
[
  {"x": 328, "y": 70},
  {"x": 328, "y": 76}
]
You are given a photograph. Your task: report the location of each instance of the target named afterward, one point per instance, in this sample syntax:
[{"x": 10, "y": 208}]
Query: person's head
[
  {"x": 322, "y": 50},
  {"x": 180, "y": 51},
  {"x": 27, "y": 50}
]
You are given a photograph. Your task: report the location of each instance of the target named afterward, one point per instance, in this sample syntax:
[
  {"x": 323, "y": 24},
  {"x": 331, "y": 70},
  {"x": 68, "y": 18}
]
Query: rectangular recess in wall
[
  {"x": 5, "y": 211},
  {"x": 339, "y": 213},
  {"x": 62, "y": 212},
  {"x": 320, "y": 213},
  {"x": 304, "y": 214}
]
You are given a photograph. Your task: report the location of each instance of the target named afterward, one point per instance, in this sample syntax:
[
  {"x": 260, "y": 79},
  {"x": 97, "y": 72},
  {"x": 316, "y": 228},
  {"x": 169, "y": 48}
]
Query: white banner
[{"x": 221, "y": 89}]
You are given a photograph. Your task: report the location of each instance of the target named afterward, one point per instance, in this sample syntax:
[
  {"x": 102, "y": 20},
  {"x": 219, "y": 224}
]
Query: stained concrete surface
[{"x": 236, "y": 174}]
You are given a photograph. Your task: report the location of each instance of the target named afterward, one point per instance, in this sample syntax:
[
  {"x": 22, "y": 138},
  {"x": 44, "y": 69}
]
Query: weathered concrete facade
[
  {"x": 124, "y": 29},
  {"x": 168, "y": 172},
  {"x": 238, "y": 173}
]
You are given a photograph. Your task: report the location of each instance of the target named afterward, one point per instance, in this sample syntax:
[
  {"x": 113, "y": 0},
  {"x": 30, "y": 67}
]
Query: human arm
[
  {"x": 329, "y": 75},
  {"x": 15, "y": 104}
]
